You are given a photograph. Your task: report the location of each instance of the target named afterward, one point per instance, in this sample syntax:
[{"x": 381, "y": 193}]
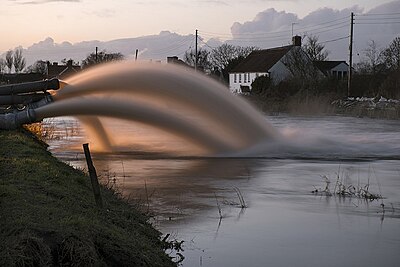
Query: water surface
[{"x": 283, "y": 224}]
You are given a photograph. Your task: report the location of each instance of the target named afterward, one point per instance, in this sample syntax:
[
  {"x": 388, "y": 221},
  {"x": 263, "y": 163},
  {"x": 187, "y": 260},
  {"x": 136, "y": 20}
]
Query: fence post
[{"x": 93, "y": 176}]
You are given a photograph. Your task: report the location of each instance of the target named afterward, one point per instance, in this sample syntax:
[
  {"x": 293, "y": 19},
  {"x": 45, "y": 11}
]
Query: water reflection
[{"x": 284, "y": 224}]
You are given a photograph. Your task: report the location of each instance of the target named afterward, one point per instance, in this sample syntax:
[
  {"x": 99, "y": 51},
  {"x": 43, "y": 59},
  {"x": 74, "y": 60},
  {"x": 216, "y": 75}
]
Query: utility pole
[
  {"x": 195, "y": 61},
  {"x": 350, "y": 72},
  {"x": 96, "y": 55},
  {"x": 136, "y": 53}
]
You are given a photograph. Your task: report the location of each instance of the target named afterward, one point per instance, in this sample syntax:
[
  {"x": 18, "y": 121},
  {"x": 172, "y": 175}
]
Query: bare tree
[
  {"x": 314, "y": 50},
  {"x": 203, "y": 56},
  {"x": 9, "y": 60},
  {"x": 299, "y": 64},
  {"x": 101, "y": 57},
  {"x": 391, "y": 55},
  {"x": 19, "y": 60},
  {"x": 226, "y": 57},
  {"x": 372, "y": 59},
  {"x": 2, "y": 65},
  {"x": 39, "y": 66},
  {"x": 224, "y": 54}
]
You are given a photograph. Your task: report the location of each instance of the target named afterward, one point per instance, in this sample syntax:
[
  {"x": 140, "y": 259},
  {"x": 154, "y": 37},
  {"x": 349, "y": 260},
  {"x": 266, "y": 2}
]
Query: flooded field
[{"x": 301, "y": 202}]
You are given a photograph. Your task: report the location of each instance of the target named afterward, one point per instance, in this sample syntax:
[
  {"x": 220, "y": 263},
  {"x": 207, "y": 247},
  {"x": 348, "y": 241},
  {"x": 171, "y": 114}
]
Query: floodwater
[{"x": 278, "y": 221}]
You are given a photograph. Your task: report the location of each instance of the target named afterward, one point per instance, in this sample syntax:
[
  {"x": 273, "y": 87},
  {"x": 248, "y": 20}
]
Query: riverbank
[
  {"x": 379, "y": 108},
  {"x": 49, "y": 217}
]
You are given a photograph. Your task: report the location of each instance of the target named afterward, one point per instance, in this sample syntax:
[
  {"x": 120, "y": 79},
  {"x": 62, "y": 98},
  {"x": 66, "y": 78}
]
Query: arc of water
[
  {"x": 138, "y": 112},
  {"x": 209, "y": 97}
]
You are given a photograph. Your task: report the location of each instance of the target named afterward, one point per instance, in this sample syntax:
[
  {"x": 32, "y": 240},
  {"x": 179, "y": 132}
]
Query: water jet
[{"x": 174, "y": 99}]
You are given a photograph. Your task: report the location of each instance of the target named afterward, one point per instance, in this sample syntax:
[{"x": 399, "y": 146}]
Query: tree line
[
  {"x": 376, "y": 74},
  {"x": 378, "y": 71},
  {"x": 13, "y": 58}
]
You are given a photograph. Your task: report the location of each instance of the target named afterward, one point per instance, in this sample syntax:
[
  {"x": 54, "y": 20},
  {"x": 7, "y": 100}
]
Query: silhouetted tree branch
[
  {"x": 19, "y": 60},
  {"x": 102, "y": 57}
]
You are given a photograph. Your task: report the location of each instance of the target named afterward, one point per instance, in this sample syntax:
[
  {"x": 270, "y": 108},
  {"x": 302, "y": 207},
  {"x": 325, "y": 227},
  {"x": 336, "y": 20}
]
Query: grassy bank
[{"x": 48, "y": 216}]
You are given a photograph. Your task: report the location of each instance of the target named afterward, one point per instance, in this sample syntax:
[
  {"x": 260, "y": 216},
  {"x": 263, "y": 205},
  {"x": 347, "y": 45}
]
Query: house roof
[
  {"x": 262, "y": 60},
  {"x": 326, "y": 66},
  {"x": 62, "y": 71}
]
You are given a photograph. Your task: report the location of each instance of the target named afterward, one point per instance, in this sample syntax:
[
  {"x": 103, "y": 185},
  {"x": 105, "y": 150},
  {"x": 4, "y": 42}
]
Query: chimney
[
  {"x": 172, "y": 59},
  {"x": 296, "y": 40}
]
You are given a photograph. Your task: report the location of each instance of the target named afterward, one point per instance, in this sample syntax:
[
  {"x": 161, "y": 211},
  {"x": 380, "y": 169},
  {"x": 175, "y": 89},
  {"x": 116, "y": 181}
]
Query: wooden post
[{"x": 93, "y": 176}]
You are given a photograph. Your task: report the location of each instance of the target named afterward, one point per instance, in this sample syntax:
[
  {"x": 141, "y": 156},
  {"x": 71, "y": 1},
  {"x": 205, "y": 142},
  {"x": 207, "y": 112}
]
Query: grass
[
  {"x": 49, "y": 218},
  {"x": 343, "y": 188}
]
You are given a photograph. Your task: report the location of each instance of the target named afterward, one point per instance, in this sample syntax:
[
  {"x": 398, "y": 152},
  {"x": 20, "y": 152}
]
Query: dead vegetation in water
[
  {"x": 53, "y": 129},
  {"x": 344, "y": 188}
]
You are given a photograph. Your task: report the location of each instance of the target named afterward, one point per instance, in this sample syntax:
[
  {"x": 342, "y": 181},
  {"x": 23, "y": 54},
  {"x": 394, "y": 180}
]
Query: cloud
[
  {"x": 214, "y": 2},
  {"x": 36, "y": 2},
  {"x": 154, "y": 47},
  {"x": 103, "y": 13},
  {"x": 271, "y": 28}
]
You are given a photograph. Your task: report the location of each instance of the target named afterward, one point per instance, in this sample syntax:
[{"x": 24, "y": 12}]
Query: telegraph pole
[
  {"x": 195, "y": 61},
  {"x": 96, "y": 55},
  {"x": 350, "y": 72}
]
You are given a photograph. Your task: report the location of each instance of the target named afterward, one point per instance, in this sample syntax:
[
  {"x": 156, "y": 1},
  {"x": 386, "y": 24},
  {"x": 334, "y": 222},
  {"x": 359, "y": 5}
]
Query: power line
[
  {"x": 377, "y": 23},
  {"x": 334, "y": 40},
  {"x": 377, "y": 14}
]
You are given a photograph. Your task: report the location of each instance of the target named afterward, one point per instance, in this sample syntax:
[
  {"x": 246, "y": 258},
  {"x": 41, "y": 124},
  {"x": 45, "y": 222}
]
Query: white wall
[
  {"x": 279, "y": 72},
  {"x": 340, "y": 71},
  {"x": 235, "y": 86}
]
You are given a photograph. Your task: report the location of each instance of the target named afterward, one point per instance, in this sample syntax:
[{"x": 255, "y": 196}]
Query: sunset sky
[
  {"x": 28, "y": 21},
  {"x": 48, "y": 23}
]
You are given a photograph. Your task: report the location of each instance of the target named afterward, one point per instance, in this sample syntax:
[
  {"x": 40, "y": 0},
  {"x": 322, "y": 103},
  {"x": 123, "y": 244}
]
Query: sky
[{"x": 48, "y": 28}]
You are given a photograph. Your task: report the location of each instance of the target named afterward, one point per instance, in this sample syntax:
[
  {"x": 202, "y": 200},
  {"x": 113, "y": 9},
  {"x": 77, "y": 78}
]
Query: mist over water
[{"x": 190, "y": 114}]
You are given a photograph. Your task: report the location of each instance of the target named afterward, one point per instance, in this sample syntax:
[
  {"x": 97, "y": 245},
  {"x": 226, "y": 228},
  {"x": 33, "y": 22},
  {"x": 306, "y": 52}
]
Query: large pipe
[
  {"x": 7, "y": 100},
  {"x": 21, "y": 88},
  {"x": 13, "y": 120}
]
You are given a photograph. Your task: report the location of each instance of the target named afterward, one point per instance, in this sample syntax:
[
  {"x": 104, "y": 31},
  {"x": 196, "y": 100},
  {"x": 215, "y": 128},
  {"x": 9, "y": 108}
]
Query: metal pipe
[
  {"x": 7, "y": 100},
  {"x": 13, "y": 120},
  {"x": 20, "y": 88}
]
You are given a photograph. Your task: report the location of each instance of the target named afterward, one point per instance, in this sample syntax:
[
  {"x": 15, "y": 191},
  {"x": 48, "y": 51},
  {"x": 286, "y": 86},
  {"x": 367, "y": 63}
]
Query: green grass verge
[{"x": 48, "y": 215}]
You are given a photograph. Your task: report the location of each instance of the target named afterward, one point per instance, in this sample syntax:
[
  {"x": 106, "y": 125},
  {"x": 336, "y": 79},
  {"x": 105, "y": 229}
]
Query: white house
[
  {"x": 269, "y": 62},
  {"x": 336, "y": 69},
  {"x": 272, "y": 62}
]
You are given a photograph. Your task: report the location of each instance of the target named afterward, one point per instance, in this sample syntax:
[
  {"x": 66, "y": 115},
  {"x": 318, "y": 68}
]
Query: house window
[
  {"x": 245, "y": 77},
  {"x": 334, "y": 73},
  {"x": 235, "y": 78},
  {"x": 240, "y": 77},
  {"x": 339, "y": 75},
  {"x": 344, "y": 74}
]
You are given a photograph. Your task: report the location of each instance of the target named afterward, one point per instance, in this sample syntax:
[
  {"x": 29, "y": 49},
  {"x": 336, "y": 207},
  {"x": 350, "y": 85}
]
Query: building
[
  {"x": 177, "y": 61},
  {"x": 334, "y": 69},
  {"x": 269, "y": 62},
  {"x": 62, "y": 71},
  {"x": 275, "y": 63}
]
